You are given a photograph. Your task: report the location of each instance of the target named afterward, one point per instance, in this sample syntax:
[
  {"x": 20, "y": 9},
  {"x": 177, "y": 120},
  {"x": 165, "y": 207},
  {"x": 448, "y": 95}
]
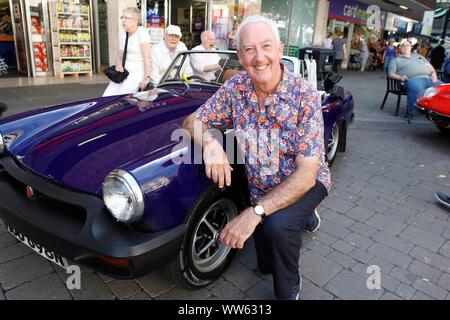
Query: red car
[{"x": 435, "y": 103}]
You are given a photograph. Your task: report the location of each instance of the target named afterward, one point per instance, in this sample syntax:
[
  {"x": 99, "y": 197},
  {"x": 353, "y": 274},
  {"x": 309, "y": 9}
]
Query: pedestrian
[
  {"x": 206, "y": 64},
  {"x": 338, "y": 46},
  {"x": 417, "y": 73},
  {"x": 390, "y": 53},
  {"x": 437, "y": 56},
  {"x": 443, "y": 198},
  {"x": 231, "y": 36},
  {"x": 364, "y": 53},
  {"x": 328, "y": 42},
  {"x": 286, "y": 183},
  {"x": 137, "y": 61},
  {"x": 165, "y": 51}
]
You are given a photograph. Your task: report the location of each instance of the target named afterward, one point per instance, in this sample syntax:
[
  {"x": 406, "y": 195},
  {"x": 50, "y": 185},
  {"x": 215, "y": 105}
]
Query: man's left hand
[
  {"x": 434, "y": 78},
  {"x": 238, "y": 230},
  {"x": 143, "y": 84}
]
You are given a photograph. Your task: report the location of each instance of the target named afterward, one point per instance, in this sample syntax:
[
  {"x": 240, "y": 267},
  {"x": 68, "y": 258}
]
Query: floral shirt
[{"x": 291, "y": 126}]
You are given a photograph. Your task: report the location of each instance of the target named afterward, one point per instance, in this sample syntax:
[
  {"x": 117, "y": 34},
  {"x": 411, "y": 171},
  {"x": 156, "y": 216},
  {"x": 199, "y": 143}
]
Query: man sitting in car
[
  {"x": 206, "y": 64},
  {"x": 417, "y": 73}
]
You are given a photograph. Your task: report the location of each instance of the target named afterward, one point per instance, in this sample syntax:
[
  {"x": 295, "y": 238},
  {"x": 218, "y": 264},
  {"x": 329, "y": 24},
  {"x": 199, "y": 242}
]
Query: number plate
[{"x": 47, "y": 254}]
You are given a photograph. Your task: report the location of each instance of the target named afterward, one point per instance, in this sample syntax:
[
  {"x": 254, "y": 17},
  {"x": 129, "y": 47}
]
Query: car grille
[{"x": 66, "y": 217}]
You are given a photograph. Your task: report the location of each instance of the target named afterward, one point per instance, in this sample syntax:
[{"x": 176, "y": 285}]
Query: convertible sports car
[
  {"x": 95, "y": 182},
  {"x": 435, "y": 103}
]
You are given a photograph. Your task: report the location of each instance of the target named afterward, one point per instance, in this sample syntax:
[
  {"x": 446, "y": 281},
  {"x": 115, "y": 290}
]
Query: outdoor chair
[{"x": 396, "y": 87}]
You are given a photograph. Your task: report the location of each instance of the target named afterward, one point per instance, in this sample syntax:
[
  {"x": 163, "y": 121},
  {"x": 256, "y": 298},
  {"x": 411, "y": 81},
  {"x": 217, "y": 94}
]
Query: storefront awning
[{"x": 394, "y": 5}]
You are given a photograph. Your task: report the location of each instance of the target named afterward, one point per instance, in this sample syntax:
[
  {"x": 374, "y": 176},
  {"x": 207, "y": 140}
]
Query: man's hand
[
  {"x": 403, "y": 78},
  {"x": 217, "y": 166},
  {"x": 120, "y": 68},
  {"x": 238, "y": 230},
  {"x": 143, "y": 84}
]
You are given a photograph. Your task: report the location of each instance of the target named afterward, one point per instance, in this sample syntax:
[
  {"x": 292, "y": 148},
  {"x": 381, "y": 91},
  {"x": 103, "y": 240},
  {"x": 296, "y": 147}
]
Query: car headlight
[
  {"x": 2, "y": 144},
  {"x": 430, "y": 92},
  {"x": 123, "y": 197}
]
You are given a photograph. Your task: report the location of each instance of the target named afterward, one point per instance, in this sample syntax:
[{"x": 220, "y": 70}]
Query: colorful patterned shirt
[{"x": 291, "y": 126}]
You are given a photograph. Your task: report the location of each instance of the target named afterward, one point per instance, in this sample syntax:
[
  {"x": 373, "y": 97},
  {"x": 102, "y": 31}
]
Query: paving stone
[
  {"x": 421, "y": 296},
  {"x": 430, "y": 289},
  {"x": 247, "y": 257},
  {"x": 360, "y": 213},
  {"x": 48, "y": 287},
  {"x": 334, "y": 229},
  {"x": 337, "y": 204},
  {"x": 156, "y": 283},
  {"x": 423, "y": 270},
  {"x": 341, "y": 259},
  {"x": 402, "y": 275},
  {"x": 263, "y": 290},
  {"x": 92, "y": 288},
  {"x": 431, "y": 258},
  {"x": 325, "y": 238},
  {"x": 318, "y": 247},
  {"x": 17, "y": 272},
  {"x": 349, "y": 285},
  {"x": 400, "y": 213},
  {"x": 392, "y": 256},
  {"x": 386, "y": 224},
  {"x": 241, "y": 276},
  {"x": 361, "y": 256},
  {"x": 2, "y": 296},
  {"x": 227, "y": 291},
  {"x": 141, "y": 295},
  {"x": 404, "y": 291},
  {"x": 426, "y": 225},
  {"x": 342, "y": 246},
  {"x": 124, "y": 289},
  {"x": 414, "y": 203},
  {"x": 338, "y": 218},
  {"x": 358, "y": 241},
  {"x": 185, "y": 294},
  {"x": 312, "y": 292},
  {"x": 390, "y": 296},
  {"x": 393, "y": 242},
  {"x": 317, "y": 269},
  {"x": 445, "y": 249},
  {"x": 364, "y": 229},
  {"x": 384, "y": 265},
  {"x": 444, "y": 281},
  {"x": 13, "y": 252},
  {"x": 422, "y": 238},
  {"x": 7, "y": 240}
]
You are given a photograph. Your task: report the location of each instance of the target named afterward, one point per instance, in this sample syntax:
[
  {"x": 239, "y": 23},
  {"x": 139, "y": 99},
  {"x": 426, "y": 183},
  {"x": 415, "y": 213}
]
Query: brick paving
[{"x": 381, "y": 211}]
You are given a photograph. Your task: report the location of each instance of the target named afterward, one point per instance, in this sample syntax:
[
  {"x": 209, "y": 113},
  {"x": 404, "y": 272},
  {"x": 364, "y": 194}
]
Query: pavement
[{"x": 381, "y": 215}]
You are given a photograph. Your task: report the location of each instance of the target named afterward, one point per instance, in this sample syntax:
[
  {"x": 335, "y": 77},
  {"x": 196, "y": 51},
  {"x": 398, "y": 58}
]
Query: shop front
[{"x": 352, "y": 18}]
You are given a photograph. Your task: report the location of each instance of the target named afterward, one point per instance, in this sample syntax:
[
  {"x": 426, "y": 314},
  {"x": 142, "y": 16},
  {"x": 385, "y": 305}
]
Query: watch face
[{"x": 259, "y": 210}]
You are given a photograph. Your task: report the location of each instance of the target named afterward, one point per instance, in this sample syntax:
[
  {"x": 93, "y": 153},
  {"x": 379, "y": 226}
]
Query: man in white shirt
[
  {"x": 165, "y": 51},
  {"x": 205, "y": 64}
]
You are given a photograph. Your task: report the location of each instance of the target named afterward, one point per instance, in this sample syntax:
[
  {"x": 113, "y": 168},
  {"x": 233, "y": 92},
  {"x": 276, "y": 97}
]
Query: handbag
[{"x": 113, "y": 74}]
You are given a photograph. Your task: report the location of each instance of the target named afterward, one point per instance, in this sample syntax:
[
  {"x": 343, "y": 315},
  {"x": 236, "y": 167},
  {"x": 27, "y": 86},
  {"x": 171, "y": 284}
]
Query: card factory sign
[{"x": 352, "y": 11}]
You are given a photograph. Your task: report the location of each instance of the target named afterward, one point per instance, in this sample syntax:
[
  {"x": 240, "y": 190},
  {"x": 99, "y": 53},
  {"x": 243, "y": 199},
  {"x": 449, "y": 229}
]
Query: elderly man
[
  {"x": 418, "y": 73},
  {"x": 288, "y": 178},
  {"x": 165, "y": 51},
  {"x": 205, "y": 64}
]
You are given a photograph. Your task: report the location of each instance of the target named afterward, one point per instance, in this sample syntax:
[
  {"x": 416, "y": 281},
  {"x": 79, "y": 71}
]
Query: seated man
[
  {"x": 206, "y": 64},
  {"x": 418, "y": 73},
  {"x": 165, "y": 51}
]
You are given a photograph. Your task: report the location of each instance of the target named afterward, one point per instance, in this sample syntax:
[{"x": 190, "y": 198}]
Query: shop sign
[
  {"x": 428, "y": 17},
  {"x": 353, "y": 11}
]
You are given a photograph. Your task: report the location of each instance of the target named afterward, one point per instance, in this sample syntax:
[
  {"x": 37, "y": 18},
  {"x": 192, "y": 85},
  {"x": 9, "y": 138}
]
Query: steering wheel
[{"x": 190, "y": 78}]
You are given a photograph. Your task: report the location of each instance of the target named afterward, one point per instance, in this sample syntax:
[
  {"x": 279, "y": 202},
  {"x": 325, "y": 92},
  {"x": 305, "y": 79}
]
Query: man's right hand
[
  {"x": 120, "y": 69},
  {"x": 404, "y": 78},
  {"x": 217, "y": 166}
]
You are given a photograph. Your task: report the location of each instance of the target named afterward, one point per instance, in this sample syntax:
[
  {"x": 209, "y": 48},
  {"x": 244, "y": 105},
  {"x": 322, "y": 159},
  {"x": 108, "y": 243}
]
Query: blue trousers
[
  {"x": 415, "y": 87},
  {"x": 278, "y": 241}
]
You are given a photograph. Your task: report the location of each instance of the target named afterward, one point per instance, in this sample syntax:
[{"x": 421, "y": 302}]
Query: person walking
[
  {"x": 338, "y": 45},
  {"x": 437, "y": 55},
  {"x": 390, "y": 53},
  {"x": 286, "y": 184},
  {"x": 137, "y": 61}
]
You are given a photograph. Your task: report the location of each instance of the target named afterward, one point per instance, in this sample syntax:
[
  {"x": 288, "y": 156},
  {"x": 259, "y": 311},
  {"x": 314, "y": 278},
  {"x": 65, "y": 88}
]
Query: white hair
[{"x": 257, "y": 19}]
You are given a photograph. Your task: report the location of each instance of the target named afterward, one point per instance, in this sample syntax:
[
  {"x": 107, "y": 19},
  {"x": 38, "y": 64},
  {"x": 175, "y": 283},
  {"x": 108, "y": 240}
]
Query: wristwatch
[{"x": 259, "y": 211}]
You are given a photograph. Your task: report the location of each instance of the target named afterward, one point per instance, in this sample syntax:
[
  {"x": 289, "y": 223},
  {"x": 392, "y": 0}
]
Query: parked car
[
  {"x": 95, "y": 183},
  {"x": 435, "y": 103}
]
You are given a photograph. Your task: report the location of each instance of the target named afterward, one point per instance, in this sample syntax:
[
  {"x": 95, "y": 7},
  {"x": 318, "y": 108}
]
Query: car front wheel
[
  {"x": 333, "y": 144},
  {"x": 203, "y": 258}
]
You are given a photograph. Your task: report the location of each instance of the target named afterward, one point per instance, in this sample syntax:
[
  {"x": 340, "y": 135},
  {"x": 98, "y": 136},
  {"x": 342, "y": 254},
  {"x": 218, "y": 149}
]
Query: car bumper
[
  {"x": 434, "y": 116},
  {"x": 77, "y": 226}
]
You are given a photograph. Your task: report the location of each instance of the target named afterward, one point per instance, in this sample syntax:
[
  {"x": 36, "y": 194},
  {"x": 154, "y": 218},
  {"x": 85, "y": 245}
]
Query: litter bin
[{"x": 324, "y": 58}]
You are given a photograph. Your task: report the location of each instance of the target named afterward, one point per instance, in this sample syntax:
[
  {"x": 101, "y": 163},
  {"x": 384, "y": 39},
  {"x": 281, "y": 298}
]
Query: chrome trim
[
  {"x": 2, "y": 144},
  {"x": 129, "y": 180}
]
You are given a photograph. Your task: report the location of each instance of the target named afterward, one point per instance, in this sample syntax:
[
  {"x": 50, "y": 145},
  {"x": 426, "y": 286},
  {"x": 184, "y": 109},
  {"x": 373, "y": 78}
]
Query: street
[{"x": 381, "y": 212}]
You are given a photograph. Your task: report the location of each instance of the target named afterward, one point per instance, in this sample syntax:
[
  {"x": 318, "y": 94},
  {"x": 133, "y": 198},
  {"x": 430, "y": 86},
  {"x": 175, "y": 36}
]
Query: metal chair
[{"x": 396, "y": 87}]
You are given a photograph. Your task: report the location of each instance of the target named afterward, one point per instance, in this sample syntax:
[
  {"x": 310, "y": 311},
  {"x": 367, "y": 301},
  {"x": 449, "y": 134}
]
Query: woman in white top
[{"x": 138, "y": 55}]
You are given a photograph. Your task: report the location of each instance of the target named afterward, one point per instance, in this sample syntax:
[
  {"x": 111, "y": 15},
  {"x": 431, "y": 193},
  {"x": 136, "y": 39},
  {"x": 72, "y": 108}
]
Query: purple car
[{"x": 97, "y": 182}]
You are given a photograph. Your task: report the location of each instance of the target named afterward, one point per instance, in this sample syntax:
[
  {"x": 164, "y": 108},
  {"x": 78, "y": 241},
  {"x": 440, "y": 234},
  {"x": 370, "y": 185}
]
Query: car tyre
[
  {"x": 444, "y": 129},
  {"x": 202, "y": 258},
  {"x": 334, "y": 143}
]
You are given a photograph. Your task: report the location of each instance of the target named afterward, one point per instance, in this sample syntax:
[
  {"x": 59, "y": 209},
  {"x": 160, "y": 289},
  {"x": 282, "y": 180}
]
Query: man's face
[
  {"x": 260, "y": 54},
  {"x": 209, "y": 41},
  {"x": 172, "y": 41},
  {"x": 405, "y": 48}
]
